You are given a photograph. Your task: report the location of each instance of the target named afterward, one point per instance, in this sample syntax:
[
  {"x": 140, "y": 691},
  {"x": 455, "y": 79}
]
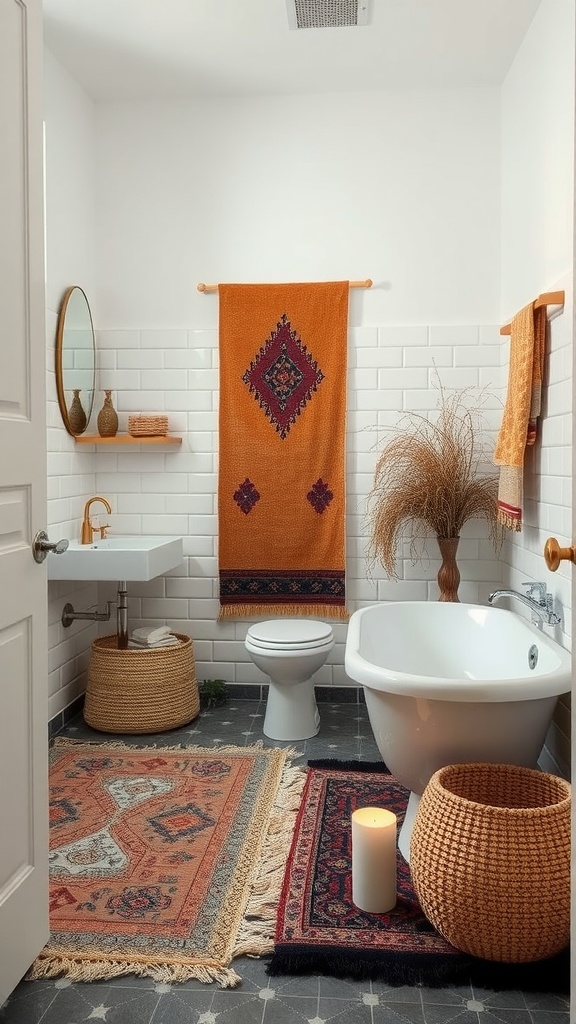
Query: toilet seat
[
  {"x": 303, "y": 647},
  {"x": 290, "y": 634}
]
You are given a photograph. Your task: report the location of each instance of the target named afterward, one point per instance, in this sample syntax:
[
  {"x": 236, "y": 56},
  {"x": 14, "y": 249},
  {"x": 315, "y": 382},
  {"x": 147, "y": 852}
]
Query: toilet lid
[{"x": 290, "y": 631}]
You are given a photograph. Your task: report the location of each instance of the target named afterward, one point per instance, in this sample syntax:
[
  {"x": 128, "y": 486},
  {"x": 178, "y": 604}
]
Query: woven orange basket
[
  {"x": 490, "y": 860},
  {"x": 147, "y": 425},
  {"x": 133, "y": 691}
]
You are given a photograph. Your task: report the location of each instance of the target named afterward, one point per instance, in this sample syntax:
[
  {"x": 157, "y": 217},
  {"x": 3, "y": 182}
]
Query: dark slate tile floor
[{"x": 345, "y": 733}]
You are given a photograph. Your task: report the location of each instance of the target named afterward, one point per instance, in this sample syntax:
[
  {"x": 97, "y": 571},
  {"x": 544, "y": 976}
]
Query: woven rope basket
[
  {"x": 131, "y": 691},
  {"x": 490, "y": 860},
  {"x": 147, "y": 426}
]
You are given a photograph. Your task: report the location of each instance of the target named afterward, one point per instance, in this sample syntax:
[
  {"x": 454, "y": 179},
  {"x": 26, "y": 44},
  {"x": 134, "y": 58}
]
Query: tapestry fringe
[
  {"x": 256, "y": 934},
  {"x": 53, "y": 965},
  {"x": 508, "y": 521},
  {"x": 315, "y": 611}
]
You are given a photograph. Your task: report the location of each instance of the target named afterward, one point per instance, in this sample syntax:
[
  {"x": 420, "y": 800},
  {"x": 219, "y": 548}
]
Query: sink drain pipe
[{"x": 122, "y": 616}]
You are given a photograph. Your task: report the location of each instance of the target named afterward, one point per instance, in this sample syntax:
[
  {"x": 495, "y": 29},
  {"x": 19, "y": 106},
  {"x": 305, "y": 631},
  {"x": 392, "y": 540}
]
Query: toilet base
[{"x": 291, "y": 712}]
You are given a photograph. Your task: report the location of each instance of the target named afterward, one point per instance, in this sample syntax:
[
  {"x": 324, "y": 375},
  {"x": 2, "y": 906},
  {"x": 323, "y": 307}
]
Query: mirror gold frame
[{"x": 75, "y": 362}]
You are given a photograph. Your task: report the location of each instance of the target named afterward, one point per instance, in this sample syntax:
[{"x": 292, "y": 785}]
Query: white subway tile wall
[{"x": 392, "y": 371}]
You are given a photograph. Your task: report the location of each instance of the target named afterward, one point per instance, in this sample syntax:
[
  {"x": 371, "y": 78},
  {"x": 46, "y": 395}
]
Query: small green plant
[{"x": 212, "y": 692}]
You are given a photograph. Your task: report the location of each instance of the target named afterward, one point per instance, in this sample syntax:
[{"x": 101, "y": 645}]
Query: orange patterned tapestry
[{"x": 281, "y": 486}]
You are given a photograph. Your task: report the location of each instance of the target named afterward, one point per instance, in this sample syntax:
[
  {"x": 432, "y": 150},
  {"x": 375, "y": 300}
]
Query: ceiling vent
[{"x": 326, "y": 13}]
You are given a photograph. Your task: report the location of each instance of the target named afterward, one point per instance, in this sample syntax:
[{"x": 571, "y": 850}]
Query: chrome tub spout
[{"x": 541, "y": 605}]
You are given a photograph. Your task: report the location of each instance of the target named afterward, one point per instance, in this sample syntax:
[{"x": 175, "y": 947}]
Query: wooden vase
[
  {"x": 448, "y": 573},
  {"x": 107, "y": 417}
]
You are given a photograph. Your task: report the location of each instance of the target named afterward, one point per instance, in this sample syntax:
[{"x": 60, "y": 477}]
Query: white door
[{"x": 23, "y": 587}]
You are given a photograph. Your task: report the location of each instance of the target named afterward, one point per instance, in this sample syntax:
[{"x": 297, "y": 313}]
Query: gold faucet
[{"x": 88, "y": 530}]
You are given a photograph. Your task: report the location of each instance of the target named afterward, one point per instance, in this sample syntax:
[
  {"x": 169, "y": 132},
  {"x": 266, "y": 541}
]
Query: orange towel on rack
[
  {"x": 281, "y": 479},
  {"x": 521, "y": 410}
]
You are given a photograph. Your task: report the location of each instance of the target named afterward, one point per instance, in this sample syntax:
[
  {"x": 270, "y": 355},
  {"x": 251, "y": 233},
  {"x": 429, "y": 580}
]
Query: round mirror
[{"x": 75, "y": 361}]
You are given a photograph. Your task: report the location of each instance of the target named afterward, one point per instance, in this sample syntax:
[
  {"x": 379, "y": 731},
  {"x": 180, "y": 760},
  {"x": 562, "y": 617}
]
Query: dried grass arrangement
[{"x": 430, "y": 480}]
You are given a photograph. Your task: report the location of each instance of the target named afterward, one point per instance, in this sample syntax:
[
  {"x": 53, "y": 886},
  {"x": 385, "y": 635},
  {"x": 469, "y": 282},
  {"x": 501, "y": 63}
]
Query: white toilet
[{"x": 290, "y": 651}]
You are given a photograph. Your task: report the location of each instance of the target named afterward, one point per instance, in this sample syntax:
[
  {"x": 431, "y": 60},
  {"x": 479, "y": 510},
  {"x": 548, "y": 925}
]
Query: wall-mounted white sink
[{"x": 116, "y": 558}]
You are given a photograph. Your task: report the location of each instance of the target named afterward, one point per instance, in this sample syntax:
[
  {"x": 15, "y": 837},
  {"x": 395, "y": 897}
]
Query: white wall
[
  {"x": 70, "y": 259},
  {"x": 70, "y": 184},
  {"x": 402, "y": 187},
  {"x": 538, "y": 158},
  {"x": 537, "y": 256}
]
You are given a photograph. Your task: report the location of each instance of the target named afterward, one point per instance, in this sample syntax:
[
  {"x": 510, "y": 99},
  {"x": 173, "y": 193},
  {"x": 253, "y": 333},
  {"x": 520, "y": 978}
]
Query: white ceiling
[{"x": 146, "y": 49}]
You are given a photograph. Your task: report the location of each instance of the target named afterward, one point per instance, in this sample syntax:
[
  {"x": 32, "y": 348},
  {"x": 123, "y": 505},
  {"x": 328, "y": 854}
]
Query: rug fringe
[
  {"x": 256, "y": 934},
  {"x": 316, "y": 611},
  {"x": 54, "y": 965},
  {"x": 334, "y": 765},
  {"x": 228, "y": 749}
]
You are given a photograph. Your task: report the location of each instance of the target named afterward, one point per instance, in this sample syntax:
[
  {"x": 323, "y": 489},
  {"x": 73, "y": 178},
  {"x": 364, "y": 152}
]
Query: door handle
[
  {"x": 41, "y": 546},
  {"x": 554, "y": 554}
]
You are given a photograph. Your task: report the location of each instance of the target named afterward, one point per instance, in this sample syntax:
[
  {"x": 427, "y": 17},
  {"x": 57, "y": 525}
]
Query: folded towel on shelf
[
  {"x": 521, "y": 410},
  {"x": 149, "y": 634}
]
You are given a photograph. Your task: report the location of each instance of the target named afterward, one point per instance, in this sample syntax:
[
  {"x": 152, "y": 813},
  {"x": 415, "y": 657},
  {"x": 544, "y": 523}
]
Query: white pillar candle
[{"x": 374, "y": 859}]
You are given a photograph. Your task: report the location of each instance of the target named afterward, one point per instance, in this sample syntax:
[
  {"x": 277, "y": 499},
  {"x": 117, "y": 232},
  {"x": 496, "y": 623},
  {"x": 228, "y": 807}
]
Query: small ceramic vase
[
  {"x": 76, "y": 414},
  {"x": 107, "y": 417}
]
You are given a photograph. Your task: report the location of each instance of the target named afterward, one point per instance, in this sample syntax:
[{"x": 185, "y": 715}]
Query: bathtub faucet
[{"x": 536, "y": 598}]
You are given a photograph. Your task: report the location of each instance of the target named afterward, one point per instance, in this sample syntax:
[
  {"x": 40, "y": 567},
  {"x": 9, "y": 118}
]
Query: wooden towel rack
[
  {"x": 353, "y": 284},
  {"x": 545, "y": 299}
]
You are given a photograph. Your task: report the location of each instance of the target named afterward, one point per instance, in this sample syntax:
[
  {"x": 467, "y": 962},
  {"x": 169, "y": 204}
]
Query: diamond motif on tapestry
[
  {"x": 283, "y": 377},
  {"x": 246, "y": 496},
  {"x": 180, "y": 822},
  {"x": 320, "y": 496}
]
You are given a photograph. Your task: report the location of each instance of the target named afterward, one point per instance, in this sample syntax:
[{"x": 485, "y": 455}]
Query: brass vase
[
  {"x": 76, "y": 414},
  {"x": 448, "y": 573},
  {"x": 107, "y": 417}
]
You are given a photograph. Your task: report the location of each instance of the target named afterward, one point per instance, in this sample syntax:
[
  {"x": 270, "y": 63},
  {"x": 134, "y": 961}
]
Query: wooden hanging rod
[
  {"x": 353, "y": 284},
  {"x": 545, "y": 299}
]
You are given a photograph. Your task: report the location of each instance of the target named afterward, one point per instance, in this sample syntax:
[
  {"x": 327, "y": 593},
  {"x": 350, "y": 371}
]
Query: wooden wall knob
[{"x": 554, "y": 554}]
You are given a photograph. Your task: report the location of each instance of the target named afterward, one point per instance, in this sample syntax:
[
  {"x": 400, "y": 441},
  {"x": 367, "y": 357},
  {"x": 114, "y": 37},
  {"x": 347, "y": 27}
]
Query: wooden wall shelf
[{"x": 118, "y": 439}]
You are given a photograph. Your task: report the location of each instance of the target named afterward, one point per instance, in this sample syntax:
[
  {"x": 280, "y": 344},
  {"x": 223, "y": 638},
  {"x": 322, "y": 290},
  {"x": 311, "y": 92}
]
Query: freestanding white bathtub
[{"x": 449, "y": 683}]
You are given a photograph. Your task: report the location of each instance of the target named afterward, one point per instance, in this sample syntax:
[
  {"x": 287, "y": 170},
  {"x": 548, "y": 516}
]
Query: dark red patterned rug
[{"x": 320, "y": 930}]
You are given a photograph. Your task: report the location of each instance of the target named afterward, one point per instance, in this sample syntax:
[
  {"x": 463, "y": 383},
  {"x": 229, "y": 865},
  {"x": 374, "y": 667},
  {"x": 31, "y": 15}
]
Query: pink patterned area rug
[{"x": 165, "y": 862}]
